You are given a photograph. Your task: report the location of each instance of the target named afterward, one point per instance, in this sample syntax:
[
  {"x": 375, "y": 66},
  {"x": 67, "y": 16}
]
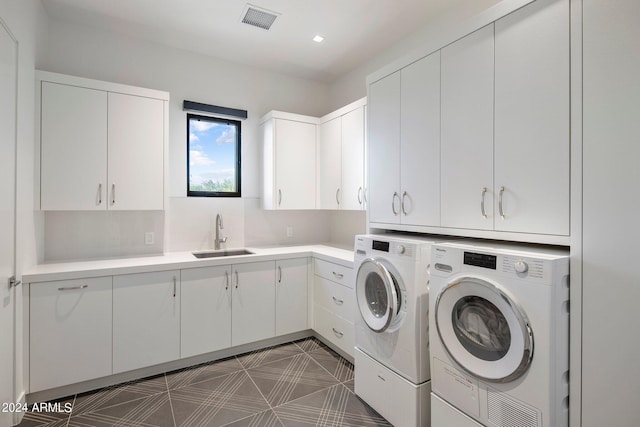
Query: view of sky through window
[{"x": 212, "y": 155}]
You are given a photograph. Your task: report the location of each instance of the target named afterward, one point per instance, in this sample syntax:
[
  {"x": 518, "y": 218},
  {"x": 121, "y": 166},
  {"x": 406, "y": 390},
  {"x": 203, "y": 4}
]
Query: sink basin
[{"x": 222, "y": 253}]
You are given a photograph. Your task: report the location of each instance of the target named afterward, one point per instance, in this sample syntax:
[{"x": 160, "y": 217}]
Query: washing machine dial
[
  {"x": 401, "y": 249},
  {"x": 521, "y": 266}
]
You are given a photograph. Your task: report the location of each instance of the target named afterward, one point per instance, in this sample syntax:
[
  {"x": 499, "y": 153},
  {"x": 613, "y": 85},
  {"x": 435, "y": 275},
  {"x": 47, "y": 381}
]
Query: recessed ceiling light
[{"x": 318, "y": 38}]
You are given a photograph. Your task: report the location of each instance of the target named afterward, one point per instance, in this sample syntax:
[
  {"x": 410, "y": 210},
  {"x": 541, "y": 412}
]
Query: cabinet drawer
[
  {"x": 336, "y": 298},
  {"x": 335, "y": 272},
  {"x": 334, "y": 329},
  {"x": 393, "y": 397},
  {"x": 70, "y": 332}
]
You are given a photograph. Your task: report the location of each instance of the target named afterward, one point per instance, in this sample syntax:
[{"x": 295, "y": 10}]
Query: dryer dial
[{"x": 521, "y": 266}]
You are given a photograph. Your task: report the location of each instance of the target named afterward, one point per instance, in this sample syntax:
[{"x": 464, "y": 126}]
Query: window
[{"x": 213, "y": 157}]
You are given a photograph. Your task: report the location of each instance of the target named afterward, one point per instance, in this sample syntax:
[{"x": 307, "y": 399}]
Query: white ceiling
[{"x": 354, "y": 30}]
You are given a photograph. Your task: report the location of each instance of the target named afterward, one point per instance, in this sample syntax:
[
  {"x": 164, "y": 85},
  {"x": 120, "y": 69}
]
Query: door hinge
[{"x": 13, "y": 282}]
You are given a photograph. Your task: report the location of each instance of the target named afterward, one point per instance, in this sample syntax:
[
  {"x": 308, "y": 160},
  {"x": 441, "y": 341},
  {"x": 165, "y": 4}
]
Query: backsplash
[{"x": 86, "y": 235}]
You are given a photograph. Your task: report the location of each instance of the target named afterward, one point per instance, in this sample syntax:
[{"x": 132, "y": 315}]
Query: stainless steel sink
[{"x": 223, "y": 253}]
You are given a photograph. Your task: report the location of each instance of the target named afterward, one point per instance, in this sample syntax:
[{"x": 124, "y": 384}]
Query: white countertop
[{"x": 179, "y": 260}]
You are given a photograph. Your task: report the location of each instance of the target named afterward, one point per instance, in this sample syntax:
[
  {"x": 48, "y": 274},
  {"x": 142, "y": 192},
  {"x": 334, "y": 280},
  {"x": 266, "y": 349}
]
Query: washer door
[
  {"x": 379, "y": 295},
  {"x": 484, "y": 330}
]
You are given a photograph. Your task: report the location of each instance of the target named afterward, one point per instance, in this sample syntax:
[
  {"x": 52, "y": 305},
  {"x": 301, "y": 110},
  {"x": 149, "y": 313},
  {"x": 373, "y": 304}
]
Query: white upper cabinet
[
  {"x": 493, "y": 107},
  {"x": 404, "y": 145},
  {"x": 352, "y": 189},
  {"x": 384, "y": 149},
  {"x": 289, "y": 154},
  {"x": 330, "y": 164},
  {"x": 532, "y": 119},
  {"x": 102, "y": 145},
  {"x": 420, "y": 142},
  {"x": 467, "y": 132},
  {"x": 341, "y": 158},
  {"x": 135, "y": 153},
  {"x": 73, "y": 148}
]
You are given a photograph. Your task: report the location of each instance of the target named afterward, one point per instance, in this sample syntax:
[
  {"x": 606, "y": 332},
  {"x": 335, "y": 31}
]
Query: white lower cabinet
[
  {"x": 146, "y": 319},
  {"x": 253, "y": 304},
  {"x": 205, "y": 307},
  {"x": 291, "y": 295},
  {"x": 334, "y": 304},
  {"x": 70, "y": 332}
]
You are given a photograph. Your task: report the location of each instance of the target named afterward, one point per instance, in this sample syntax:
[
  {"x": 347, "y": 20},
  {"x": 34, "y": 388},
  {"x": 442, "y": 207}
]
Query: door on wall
[{"x": 8, "y": 62}]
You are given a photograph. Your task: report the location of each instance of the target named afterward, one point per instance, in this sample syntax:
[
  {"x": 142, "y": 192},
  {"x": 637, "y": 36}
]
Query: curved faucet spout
[{"x": 218, "y": 239}]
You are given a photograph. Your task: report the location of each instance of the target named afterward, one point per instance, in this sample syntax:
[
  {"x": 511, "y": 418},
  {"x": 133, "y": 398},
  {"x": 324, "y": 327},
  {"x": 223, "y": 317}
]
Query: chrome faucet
[{"x": 219, "y": 226}]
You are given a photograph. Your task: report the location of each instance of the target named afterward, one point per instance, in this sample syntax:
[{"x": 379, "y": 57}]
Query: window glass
[{"x": 213, "y": 156}]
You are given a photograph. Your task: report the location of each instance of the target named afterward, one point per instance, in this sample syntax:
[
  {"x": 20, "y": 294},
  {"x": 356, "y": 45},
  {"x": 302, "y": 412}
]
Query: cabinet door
[
  {"x": 420, "y": 142},
  {"x": 73, "y": 129},
  {"x": 295, "y": 164},
  {"x": 532, "y": 118},
  {"x": 136, "y": 153},
  {"x": 384, "y": 149},
  {"x": 467, "y": 131},
  {"x": 205, "y": 306},
  {"x": 352, "y": 188},
  {"x": 291, "y": 295},
  {"x": 253, "y": 304},
  {"x": 330, "y": 164},
  {"x": 70, "y": 332},
  {"x": 146, "y": 319}
]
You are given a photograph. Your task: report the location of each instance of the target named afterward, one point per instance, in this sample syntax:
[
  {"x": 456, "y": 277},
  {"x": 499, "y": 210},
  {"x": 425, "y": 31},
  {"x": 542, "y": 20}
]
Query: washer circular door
[
  {"x": 484, "y": 330},
  {"x": 379, "y": 294}
]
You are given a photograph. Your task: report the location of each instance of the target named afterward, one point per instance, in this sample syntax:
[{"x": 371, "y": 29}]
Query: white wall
[
  {"x": 78, "y": 50},
  {"x": 26, "y": 21}
]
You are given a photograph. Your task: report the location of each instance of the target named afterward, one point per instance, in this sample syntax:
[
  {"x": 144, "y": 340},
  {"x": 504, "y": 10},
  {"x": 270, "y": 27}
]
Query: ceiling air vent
[{"x": 258, "y": 17}]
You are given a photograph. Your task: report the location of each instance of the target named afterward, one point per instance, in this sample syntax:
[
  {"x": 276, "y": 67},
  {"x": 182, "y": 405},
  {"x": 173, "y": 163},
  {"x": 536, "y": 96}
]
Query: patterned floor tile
[
  {"x": 290, "y": 379},
  {"x": 263, "y": 419},
  {"x": 146, "y": 412},
  {"x": 310, "y": 344},
  {"x": 199, "y": 373},
  {"x": 332, "y": 362},
  {"x": 218, "y": 401},
  {"x": 114, "y": 395},
  {"x": 268, "y": 355},
  {"x": 350, "y": 385},
  {"x": 335, "y": 406}
]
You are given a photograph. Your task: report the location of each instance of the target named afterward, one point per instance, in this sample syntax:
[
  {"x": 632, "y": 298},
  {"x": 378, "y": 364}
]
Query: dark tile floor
[{"x": 296, "y": 384}]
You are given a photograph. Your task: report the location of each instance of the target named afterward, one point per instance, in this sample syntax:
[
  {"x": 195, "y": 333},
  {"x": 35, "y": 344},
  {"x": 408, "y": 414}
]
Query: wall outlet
[
  {"x": 289, "y": 231},
  {"x": 149, "y": 238}
]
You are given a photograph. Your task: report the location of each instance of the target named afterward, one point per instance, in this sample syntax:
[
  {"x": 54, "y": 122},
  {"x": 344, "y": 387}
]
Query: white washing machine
[
  {"x": 391, "y": 358},
  {"x": 499, "y": 317}
]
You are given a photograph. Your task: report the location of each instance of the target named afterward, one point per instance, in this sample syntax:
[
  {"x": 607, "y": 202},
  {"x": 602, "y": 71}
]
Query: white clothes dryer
[
  {"x": 391, "y": 358},
  {"x": 499, "y": 316}
]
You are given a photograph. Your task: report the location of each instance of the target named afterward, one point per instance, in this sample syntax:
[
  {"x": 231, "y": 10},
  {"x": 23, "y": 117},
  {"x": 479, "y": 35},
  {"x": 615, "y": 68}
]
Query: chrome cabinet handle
[
  {"x": 338, "y": 275},
  {"x": 279, "y": 197},
  {"x": 237, "y": 279},
  {"x": 500, "y": 203},
  {"x": 393, "y": 202},
  {"x": 226, "y": 280},
  {"x": 365, "y": 191},
  {"x": 279, "y": 274},
  {"x": 484, "y": 191},
  {"x": 337, "y": 196},
  {"x": 360, "y": 195},
  {"x": 404, "y": 195},
  {"x": 113, "y": 194},
  {"x": 381, "y": 377},
  {"x": 73, "y": 288},
  {"x": 338, "y": 301},
  {"x": 100, "y": 193},
  {"x": 174, "y": 286},
  {"x": 338, "y": 333}
]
